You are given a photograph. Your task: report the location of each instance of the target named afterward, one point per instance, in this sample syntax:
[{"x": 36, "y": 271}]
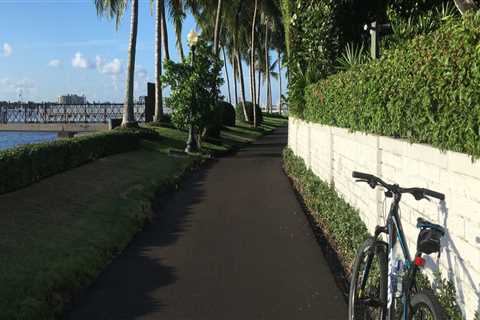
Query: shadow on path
[{"x": 234, "y": 243}]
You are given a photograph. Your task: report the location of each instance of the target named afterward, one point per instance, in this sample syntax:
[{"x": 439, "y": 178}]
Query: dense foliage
[
  {"x": 228, "y": 113},
  {"x": 425, "y": 91},
  {"x": 27, "y": 164},
  {"x": 344, "y": 228},
  {"x": 240, "y": 115},
  {"x": 194, "y": 87}
]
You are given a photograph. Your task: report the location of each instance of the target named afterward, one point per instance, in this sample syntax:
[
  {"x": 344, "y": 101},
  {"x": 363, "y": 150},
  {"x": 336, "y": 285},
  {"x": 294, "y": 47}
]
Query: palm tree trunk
[
  {"x": 158, "y": 63},
  {"x": 226, "y": 74},
  {"x": 235, "y": 72},
  {"x": 267, "y": 65},
  {"x": 128, "y": 114},
  {"x": 164, "y": 31},
  {"x": 252, "y": 63},
  {"x": 242, "y": 85},
  {"x": 279, "y": 61},
  {"x": 270, "y": 102},
  {"x": 178, "y": 32},
  {"x": 259, "y": 94},
  {"x": 216, "y": 37}
]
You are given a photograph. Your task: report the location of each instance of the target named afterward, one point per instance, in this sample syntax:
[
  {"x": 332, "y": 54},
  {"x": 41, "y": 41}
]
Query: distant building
[{"x": 72, "y": 99}]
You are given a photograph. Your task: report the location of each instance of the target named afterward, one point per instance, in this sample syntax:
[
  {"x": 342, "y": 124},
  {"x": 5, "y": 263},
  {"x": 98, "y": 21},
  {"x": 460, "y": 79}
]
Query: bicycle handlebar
[{"x": 418, "y": 193}]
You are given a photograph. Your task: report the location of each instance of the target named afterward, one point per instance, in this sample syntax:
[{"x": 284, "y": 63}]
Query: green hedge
[
  {"x": 24, "y": 165},
  {"x": 425, "y": 91},
  {"x": 345, "y": 230}
]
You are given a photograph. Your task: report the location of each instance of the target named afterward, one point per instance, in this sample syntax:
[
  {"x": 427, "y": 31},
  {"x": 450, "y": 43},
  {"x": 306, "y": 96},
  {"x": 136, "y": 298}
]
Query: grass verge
[{"x": 58, "y": 234}]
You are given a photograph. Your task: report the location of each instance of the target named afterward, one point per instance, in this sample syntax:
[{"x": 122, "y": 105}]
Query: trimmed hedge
[
  {"x": 228, "y": 114},
  {"x": 24, "y": 165},
  {"x": 249, "y": 107},
  {"x": 425, "y": 91}
]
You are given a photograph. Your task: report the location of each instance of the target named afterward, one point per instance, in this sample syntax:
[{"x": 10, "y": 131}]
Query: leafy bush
[
  {"x": 215, "y": 123},
  {"x": 194, "y": 88},
  {"x": 249, "y": 108},
  {"x": 425, "y": 90},
  {"x": 228, "y": 114},
  {"x": 27, "y": 164},
  {"x": 405, "y": 28},
  {"x": 352, "y": 56}
]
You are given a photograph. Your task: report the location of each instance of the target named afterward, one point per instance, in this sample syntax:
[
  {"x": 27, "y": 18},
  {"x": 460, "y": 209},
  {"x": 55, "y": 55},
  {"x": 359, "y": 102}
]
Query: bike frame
[{"x": 394, "y": 232}]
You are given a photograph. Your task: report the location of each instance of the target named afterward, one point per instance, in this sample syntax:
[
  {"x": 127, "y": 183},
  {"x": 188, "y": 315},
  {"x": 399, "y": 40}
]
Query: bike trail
[{"x": 233, "y": 243}]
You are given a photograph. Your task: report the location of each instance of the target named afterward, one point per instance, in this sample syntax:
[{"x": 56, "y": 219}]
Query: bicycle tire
[
  {"x": 426, "y": 298},
  {"x": 376, "y": 248}
]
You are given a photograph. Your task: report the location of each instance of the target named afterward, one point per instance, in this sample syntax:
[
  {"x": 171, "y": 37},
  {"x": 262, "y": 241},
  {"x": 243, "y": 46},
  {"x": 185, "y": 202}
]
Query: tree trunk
[
  {"x": 128, "y": 112},
  {"x": 259, "y": 86},
  {"x": 178, "y": 32},
  {"x": 267, "y": 65},
  {"x": 279, "y": 81},
  {"x": 158, "y": 63},
  {"x": 252, "y": 63},
  {"x": 269, "y": 95},
  {"x": 235, "y": 72},
  {"x": 164, "y": 31},
  {"x": 226, "y": 74},
  {"x": 216, "y": 37},
  {"x": 465, "y": 5},
  {"x": 242, "y": 85}
]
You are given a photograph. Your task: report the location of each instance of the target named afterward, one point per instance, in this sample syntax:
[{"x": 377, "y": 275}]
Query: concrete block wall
[{"x": 333, "y": 153}]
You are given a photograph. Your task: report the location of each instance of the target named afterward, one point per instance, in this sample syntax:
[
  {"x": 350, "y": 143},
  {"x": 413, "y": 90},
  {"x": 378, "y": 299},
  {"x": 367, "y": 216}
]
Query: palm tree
[
  {"x": 226, "y": 74},
  {"x": 116, "y": 9},
  {"x": 252, "y": 63},
  {"x": 177, "y": 13},
  {"x": 158, "y": 61}
]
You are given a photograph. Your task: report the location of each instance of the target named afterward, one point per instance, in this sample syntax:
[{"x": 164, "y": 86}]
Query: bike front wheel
[
  {"x": 425, "y": 306},
  {"x": 368, "y": 287}
]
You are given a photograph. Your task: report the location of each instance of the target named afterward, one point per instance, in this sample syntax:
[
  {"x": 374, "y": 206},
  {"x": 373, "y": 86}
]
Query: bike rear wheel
[
  {"x": 368, "y": 287},
  {"x": 425, "y": 306}
]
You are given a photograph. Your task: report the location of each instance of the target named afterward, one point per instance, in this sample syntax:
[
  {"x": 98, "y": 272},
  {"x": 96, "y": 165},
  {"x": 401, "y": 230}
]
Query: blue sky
[{"x": 54, "y": 47}]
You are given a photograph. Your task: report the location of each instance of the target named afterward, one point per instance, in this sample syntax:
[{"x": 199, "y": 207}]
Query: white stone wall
[{"x": 333, "y": 153}]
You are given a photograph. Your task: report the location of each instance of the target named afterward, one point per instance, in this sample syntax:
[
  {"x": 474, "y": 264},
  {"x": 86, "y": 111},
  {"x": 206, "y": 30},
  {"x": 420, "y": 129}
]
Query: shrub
[
  {"x": 215, "y": 123},
  {"x": 24, "y": 165},
  {"x": 249, "y": 108},
  {"x": 194, "y": 88},
  {"x": 228, "y": 114},
  {"x": 425, "y": 90}
]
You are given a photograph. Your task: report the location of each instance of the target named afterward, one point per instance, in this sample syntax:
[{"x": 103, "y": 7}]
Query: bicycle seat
[{"x": 425, "y": 224}]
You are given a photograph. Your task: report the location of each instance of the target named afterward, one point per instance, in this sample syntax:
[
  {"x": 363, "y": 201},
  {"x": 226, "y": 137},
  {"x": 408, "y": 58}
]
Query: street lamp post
[{"x": 192, "y": 145}]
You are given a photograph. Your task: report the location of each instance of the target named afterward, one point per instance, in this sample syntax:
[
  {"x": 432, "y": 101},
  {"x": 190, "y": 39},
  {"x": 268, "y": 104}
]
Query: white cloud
[
  {"x": 112, "y": 68},
  {"x": 7, "y": 50},
  {"x": 99, "y": 62},
  {"x": 24, "y": 87},
  {"x": 55, "y": 63},
  {"x": 80, "y": 62}
]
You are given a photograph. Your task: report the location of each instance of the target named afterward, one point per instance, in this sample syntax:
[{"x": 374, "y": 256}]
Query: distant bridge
[{"x": 52, "y": 117}]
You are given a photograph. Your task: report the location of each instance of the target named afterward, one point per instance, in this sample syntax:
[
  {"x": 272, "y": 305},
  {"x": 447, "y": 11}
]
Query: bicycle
[{"x": 383, "y": 287}]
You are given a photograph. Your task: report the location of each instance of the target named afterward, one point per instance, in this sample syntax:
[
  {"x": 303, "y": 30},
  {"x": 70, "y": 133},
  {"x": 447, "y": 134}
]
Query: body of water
[{"x": 13, "y": 139}]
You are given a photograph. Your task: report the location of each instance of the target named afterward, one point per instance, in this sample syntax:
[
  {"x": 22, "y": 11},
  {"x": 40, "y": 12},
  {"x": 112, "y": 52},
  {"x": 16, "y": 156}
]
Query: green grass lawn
[{"x": 58, "y": 234}]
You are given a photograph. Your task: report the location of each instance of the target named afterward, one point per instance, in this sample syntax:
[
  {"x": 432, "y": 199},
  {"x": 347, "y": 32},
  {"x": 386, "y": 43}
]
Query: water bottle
[{"x": 398, "y": 271}]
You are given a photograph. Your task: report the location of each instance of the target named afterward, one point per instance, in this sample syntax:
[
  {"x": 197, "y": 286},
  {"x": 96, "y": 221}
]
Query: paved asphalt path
[{"x": 232, "y": 244}]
